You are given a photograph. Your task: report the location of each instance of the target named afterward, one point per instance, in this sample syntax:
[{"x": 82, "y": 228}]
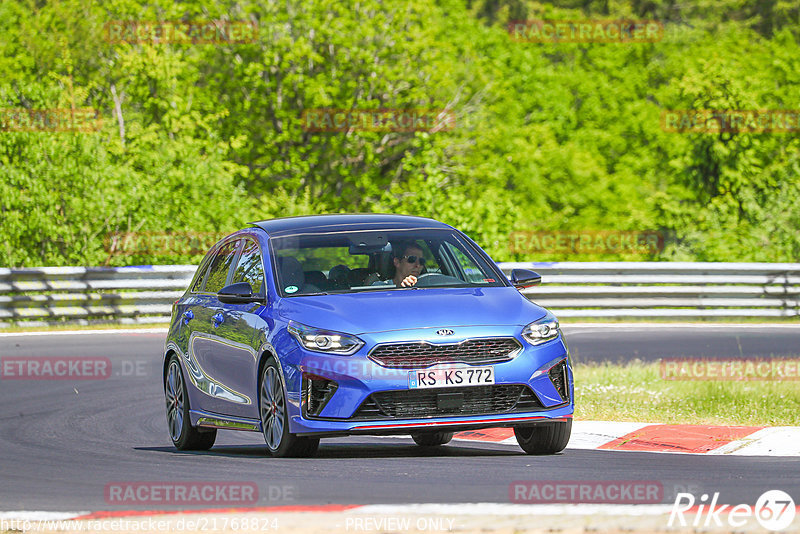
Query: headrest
[
  {"x": 340, "y": 272},
  {"x": 315, "y": 277}
]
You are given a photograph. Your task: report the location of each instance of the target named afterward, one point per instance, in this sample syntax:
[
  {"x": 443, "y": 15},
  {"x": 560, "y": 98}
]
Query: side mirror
[
  {"x": 238, "y": 293},
  {"x": 522, "y": 278}
]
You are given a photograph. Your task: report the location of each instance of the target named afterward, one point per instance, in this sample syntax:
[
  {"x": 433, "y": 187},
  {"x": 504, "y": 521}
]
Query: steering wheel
[{"x": 429, "y": 279}]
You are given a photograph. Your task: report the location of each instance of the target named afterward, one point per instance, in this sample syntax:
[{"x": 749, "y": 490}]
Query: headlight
[
  {"x": 541, "y": 331},
  {"x": 326, "y": 341}
]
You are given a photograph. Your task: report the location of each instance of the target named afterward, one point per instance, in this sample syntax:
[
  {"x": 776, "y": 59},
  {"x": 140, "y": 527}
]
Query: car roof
[{"x": 363, "y": 221}]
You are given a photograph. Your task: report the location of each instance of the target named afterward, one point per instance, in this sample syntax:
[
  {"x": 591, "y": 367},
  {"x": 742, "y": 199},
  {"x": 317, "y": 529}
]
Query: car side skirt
[{"x": 203, "y": 419}]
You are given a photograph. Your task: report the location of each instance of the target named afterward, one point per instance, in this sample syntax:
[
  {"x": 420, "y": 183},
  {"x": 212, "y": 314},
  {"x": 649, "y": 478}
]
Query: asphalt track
[
  {"x": 63, "y": 441},
  {"x": 622, "y": 343}
]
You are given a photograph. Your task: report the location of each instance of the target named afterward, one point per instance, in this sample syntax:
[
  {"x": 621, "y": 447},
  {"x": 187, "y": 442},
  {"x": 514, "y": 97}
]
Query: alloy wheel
[
  {"x": 174, "y": 399},
  {"x": 272, "y": 408}
]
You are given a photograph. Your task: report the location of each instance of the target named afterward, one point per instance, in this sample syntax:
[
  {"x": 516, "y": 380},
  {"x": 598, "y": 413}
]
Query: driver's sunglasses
[{"x": 414, "y": 259}]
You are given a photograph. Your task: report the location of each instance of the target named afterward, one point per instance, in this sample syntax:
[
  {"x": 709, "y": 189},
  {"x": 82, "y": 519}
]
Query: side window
[
  {"x": 250, "y": 269},
  {"x": 220, "y": 266},
  {"x": 200, "y": 276},
  {"x": 199, "y": 280}
]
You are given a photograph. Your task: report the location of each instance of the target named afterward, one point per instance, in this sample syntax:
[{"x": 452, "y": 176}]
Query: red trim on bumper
[{"x": 456, "y": 423}]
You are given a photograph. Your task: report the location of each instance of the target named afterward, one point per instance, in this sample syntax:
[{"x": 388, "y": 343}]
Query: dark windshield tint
[{"x": 368, "y": 261}]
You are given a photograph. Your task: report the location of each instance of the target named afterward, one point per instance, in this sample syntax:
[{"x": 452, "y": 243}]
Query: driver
[{"x": 408, "y": 264}]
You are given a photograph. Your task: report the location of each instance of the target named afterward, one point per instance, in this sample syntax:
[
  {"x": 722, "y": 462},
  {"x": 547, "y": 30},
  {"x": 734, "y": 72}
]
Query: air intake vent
[
  {"x": 558, "y": 376},
  {"x": 317, "y": 391},
  {"x": 477, "y": 400}
]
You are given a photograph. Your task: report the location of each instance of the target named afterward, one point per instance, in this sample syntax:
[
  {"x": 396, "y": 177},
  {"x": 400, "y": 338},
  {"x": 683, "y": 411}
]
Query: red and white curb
[{"x": 684, "y": 439}]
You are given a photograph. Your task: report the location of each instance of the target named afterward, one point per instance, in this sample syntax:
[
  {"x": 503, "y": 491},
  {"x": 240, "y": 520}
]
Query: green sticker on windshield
[{"x": 291, "y": 289}]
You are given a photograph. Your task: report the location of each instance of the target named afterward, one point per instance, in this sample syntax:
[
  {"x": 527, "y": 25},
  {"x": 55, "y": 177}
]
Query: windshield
[{"x": 350, "y": 262}]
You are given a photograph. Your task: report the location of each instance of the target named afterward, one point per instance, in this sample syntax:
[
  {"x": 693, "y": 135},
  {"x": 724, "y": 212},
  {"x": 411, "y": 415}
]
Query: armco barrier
[
  {"x": 145, "y": 294},
  {"x": 85, "y": 295},
  {"x": 666, "y": 289}
]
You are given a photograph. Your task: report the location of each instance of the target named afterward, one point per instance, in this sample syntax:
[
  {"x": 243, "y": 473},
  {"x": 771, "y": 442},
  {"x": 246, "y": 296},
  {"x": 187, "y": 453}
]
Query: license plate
[{"x": 450, "y": 378}]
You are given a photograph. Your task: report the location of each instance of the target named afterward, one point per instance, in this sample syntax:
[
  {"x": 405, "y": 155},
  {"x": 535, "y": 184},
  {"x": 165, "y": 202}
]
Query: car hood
[{"x": 380, "y": 311}]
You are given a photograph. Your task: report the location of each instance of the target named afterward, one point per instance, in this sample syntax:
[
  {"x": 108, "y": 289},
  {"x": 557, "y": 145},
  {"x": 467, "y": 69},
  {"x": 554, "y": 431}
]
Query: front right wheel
[
  {"x": 544, "y": 438},
  {"x": 275, "y": 418}
]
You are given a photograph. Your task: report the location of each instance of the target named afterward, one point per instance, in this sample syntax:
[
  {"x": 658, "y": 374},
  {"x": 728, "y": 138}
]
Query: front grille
[
  {"x": 477, "y": 400},
  {"x": 423, "y": 354}
]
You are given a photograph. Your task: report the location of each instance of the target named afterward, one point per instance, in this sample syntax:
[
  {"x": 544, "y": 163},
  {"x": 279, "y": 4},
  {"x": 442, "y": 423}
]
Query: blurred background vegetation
[{"x": 549, "y": 137}]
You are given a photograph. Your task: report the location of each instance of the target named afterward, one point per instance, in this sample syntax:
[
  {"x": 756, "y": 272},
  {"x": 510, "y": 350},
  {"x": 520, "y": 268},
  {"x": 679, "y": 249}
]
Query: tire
[
  {"x": 184, "y": 436},
  {"x": 432, "y": 439},
  {"x": 547, "y": 438},
  {"x": 275, "y": 418}
]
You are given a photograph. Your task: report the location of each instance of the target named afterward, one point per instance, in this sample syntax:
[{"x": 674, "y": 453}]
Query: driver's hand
[{"x": 408, "y": 281}]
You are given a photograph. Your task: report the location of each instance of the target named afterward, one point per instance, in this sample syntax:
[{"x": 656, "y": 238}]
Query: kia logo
[{"x": 445, "y": 332}]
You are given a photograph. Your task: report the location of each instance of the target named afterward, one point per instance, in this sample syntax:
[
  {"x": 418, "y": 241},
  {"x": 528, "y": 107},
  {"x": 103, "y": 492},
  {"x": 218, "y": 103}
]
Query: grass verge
[{"x": 636, "y": 392}]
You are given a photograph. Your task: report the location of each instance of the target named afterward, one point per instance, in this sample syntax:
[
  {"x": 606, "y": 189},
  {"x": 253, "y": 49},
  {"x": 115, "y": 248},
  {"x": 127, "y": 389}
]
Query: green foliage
[{"x": 203, "y": 138}]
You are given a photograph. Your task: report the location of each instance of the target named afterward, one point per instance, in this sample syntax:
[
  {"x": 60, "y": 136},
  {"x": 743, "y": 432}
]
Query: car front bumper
[
  {"x": 357, "y": 377},
  {"x": 445, "y": 424}
]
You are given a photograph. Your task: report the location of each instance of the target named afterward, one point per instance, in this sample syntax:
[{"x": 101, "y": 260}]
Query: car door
[
  {"x": 235, "y": 360},
  {"x": 209, "y": 347},
  {"x": 187, "y": 306}
]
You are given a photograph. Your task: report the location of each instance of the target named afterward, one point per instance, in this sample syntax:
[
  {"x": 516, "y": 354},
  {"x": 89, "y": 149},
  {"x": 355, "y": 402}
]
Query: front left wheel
[
  {"x": 432, "y": 439},
  {"x": 275, "y": 418},
  {"x": 184, "y": 436},
  {"x": 544, "y": 438}
]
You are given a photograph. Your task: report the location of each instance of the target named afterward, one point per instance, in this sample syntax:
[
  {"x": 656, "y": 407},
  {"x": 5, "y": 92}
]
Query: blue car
[{"x": 308, "y": 327}]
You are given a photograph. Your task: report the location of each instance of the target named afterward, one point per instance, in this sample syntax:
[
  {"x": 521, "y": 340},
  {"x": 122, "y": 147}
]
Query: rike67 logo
[{"x": 774, "y": 510}]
